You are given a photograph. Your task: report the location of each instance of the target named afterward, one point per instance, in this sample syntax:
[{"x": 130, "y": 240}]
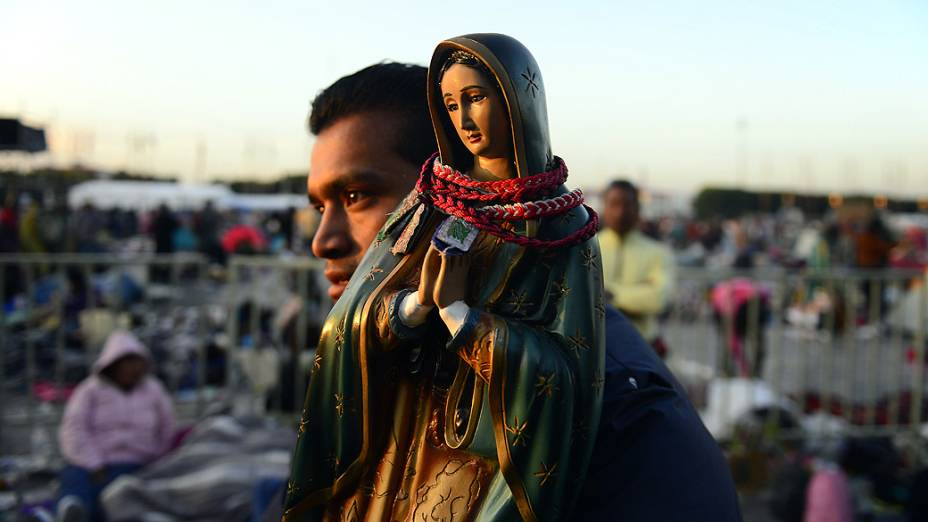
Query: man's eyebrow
[
  {"x": 367, "y": 177},
  {"x": 361, "y": 177}
]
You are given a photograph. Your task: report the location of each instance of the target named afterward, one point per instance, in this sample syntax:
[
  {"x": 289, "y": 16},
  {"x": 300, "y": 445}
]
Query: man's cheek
[{"x": 364, "y": 230}]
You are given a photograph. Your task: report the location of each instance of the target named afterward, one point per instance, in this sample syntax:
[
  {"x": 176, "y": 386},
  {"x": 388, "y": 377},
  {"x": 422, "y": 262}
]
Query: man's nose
[{"x": 332, "y": 240}]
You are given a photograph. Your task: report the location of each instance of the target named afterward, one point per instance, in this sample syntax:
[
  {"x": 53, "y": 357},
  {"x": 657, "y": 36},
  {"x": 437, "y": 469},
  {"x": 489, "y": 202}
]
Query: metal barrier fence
[
  {"x": 220, "y": 336},
  {"x": 849, "y": 343},
  {"x": 280, "y": 305}
]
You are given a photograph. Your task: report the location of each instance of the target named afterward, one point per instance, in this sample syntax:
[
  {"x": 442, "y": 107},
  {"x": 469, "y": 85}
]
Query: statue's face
[{"x": 477, "y": 112}]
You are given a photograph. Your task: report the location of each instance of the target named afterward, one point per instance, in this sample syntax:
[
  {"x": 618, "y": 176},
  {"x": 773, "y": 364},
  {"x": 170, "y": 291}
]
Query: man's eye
[
  {"x": 452, "y": 107},
  {"x": 353, "y": 196},
  {"x": 477, "y": 97}
]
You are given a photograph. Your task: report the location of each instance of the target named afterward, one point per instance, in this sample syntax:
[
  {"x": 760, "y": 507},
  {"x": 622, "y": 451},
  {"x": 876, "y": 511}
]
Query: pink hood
[
  {"x": 118, "y": 345},
  {"x": 103, "y": 424}
]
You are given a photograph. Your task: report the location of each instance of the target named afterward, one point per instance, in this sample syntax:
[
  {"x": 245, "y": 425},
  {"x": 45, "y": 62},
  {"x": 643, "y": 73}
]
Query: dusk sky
[{"x": 814, "y": 96}]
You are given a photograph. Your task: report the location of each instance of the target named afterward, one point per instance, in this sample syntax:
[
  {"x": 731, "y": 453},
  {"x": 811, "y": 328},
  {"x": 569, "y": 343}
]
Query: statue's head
[
  {"x": 487, "y": 99},
  {"x": 475, "y": 106}
]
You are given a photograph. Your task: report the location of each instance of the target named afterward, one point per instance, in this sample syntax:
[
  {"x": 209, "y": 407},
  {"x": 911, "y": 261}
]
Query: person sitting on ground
[{"x": 118, "y": 419}]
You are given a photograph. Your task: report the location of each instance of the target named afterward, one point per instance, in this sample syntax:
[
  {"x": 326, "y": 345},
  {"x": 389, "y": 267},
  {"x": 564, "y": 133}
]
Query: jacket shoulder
[{"x": 651, "y": 246}]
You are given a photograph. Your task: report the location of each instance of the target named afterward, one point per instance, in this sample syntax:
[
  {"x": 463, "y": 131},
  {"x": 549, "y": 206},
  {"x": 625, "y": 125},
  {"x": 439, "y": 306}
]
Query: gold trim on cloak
[{"x": 498, "y": 411}]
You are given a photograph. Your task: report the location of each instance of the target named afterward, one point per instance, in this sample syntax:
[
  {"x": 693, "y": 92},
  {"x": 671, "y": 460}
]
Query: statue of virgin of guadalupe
[{"x": 460, "y": 375}]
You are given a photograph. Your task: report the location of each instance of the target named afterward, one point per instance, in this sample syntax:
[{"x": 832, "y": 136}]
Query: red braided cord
[
  {"x": 534, "y": 209},
  {"x": 578, "y": 236},
  {"x": 507, "y": 190},
  {"x": 457, "y": 195}
]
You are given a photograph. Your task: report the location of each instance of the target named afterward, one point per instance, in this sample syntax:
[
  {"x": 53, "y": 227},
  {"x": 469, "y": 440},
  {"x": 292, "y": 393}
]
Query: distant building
[{"x": 18, "y": 137}]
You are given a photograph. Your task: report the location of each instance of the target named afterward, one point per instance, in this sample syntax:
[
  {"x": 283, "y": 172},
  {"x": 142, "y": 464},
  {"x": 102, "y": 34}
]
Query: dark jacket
[{"x": 653, "y": 460}]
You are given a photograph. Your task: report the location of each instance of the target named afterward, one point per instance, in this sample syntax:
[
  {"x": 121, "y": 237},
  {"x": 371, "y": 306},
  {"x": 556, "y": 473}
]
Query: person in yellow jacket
[
  {"x": 30, "y": 240},
  {"x": 638, "y": 272}
]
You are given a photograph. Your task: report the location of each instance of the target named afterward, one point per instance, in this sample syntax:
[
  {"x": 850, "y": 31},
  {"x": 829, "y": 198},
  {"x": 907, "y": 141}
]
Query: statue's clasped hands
[
  {"x": 442, "y": 283},
  {"x": 444, "y": 278}
]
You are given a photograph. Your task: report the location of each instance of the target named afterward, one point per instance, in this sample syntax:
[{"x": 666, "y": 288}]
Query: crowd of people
[
  {"x": 785, "y": 238},
  {"x": 846, "y": 238},
  {"x": 30, "y": 226}
]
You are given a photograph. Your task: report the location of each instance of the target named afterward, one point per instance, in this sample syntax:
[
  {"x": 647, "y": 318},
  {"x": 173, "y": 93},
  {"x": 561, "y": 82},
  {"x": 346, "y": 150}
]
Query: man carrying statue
[{"x": 464, "y": 373}]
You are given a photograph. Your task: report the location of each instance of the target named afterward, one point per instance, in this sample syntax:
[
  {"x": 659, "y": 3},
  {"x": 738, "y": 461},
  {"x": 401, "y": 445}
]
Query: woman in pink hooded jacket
[{"x": 118, "y": 419}]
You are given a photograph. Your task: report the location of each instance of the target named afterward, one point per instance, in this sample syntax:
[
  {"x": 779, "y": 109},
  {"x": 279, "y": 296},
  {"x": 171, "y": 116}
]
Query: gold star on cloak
[
  {"x": 561, "y": 289},
  {"x": 530, "y": 85},
  {"x": 578, "y": 343},
  {"x": 518, "y": 301},
  {"x": 374, "y": 271},
  {"x": 517, "y": 430},
  {"x": 317, "y": 362},
  {"x": 545, "y": 385},
  {"x": 339, "y": 404},
  {"x": 303, "y": 422},
  {"x": 589, "y": 257},
  {"x": 545, "y": 473},
  {"x": 339, "y": 337},
  {"x": 568, "y": 217},
  {"x": 600, "y": 309}
]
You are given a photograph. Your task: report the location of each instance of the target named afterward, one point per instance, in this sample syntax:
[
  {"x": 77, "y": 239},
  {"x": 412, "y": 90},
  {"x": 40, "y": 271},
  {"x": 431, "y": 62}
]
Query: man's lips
[{"x": 339, "y": 278}]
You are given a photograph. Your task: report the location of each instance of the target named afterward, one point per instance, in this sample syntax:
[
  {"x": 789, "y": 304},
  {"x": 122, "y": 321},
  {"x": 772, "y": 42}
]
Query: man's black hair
[
  {"x": 390, "y": 87},
  {"x": 623, "y": 184}
]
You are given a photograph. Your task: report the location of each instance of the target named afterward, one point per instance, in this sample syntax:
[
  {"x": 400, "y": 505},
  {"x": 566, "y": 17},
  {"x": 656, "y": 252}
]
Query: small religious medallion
[
  {"x": 402, "y": 243},
  {"x": 455, "y": 234}
]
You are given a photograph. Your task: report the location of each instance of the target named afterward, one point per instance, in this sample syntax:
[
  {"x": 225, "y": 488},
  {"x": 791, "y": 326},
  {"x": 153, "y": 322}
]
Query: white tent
[
  {"x": 266, "y": 202},
  {"x": 148, "y": 195}
]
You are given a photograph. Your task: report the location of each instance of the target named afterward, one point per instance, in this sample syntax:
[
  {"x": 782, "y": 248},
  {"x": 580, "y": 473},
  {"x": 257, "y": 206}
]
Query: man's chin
[{"x": 336, "y": 290}]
